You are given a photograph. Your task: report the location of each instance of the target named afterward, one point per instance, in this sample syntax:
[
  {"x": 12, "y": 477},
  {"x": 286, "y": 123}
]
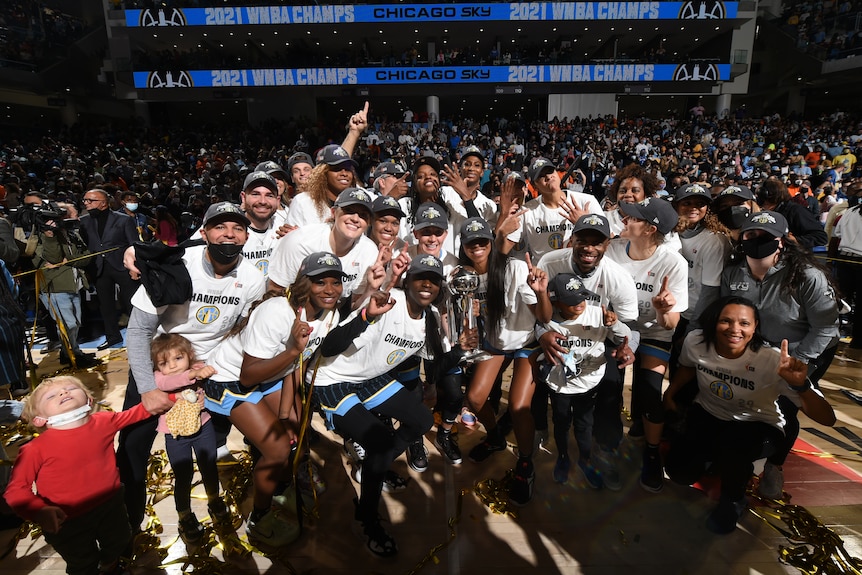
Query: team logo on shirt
[
  {"x": 721, "y": 390},
  {"x": 396, "y": 356},
  {"x": 263, "y": 266},
  {"x": 739, "y": 286},
  {"x": 207, "y": 314},
  {"x": 555, "y": 241}
]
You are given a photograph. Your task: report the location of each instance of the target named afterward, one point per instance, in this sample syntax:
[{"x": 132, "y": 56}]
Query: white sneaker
[
  {"x": 224, "y": 455},
  {"x": 354, "y": 451},
  {"x": 771, "y": 484},
  {"x": 541, "y": 441}
]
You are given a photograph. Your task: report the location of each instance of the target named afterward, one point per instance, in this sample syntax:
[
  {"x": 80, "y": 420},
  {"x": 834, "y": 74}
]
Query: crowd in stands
[
  {"x": 827, "y": 30},
  {"x": 30, "y": 31},
  {"x": 667, "y": 227}
]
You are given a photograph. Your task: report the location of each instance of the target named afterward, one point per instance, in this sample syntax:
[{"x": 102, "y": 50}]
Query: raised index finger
[
  {"x": 784, "y": 347},
  {"x": 529, "y": 262},
  {"x": 365, "y": 109},
  {"x": 664, "y": 283}
]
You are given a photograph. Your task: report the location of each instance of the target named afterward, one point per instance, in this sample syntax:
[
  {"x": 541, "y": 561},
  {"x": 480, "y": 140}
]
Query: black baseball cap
[
  {"x": 656, "y": 211},
  {"x": 388, "y": 169},
  {"x": 354, "y": 196},
  {"x": 772, "y": 223},
  {"x": 224, "y": 212},
  {"x": 271, "y": 168},
  {"x": 260, "y": 178},
  {"x": 474, "y": 229},
  {"x": 472, "y": 151},
  {"x": 299, "y": 158},
  {"x": 427, "y": 160},
  {"x": 431, "y": 215},
  {"x": 568, "y": 289},
  {"x": 594, "y": 222},
  {"x": 425, "y": 264},
  {"x": 319, "y": 264},
  {"x": 539, "y": 167},
  {"x": 333, "y": 154},
  {"x": 692, "y": 190},
  {"x": 386, "y": 204}
]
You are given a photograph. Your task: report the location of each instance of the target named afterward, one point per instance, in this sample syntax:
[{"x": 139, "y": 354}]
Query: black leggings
[
  {"x": 450, "y": 396},
  {"x": 731, "y": 446},
  {"x": 573, "y": 410},
  {"x": 179, "y": 450},
  {"x": 133, "y": 455},
  {"x": 382, "y": 444}
]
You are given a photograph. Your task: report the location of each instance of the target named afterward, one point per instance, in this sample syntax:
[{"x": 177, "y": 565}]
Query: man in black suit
[{"x": 104, "y": 229}]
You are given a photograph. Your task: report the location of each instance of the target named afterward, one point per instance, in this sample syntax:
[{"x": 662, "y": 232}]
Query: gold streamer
[
  {"x": 495, "y": 494},
  {"x": 431, "y": 557},
  {"x": 27, "y": 528},
  {"x": 815, "y": 548}
]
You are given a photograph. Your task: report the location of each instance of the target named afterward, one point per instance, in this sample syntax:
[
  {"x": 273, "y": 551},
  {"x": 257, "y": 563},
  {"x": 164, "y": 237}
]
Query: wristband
[
  {"x": 364, "y": 315},
  {"x": 801, "y": 388}
]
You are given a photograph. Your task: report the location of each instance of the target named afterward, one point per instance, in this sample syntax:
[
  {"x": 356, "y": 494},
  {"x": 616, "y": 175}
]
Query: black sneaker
[
  {"x": 417, "y": 456},
  {"x": 221, "y": 515},
  {"x": 724, "y": 517},
  {"x": 448, "y": 446},
  {"x": 652, "y": 475},
  {"x": 636, "y": 431},
  {"x": 488, "y": 446},
  {"x": 521, "y": 488},
  {"x": 190, "y": 529},
  {"x": 377, "y": 540}
]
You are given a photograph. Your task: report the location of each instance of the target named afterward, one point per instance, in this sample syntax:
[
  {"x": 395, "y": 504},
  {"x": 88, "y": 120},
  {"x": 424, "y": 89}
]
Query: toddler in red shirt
[{"x": 78, "y": 499}]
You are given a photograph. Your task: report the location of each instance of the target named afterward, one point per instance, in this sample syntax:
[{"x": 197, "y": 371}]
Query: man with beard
[
  {"x": 616, "y": 291},
  {"x": 259, "y": 201},
  {"x": 224, "y": 285}
]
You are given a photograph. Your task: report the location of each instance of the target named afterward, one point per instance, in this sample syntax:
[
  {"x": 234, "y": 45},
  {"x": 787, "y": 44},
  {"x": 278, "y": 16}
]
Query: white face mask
[
  {"x": 132, "y": 207},
  {"x": 69, "y": 416}
]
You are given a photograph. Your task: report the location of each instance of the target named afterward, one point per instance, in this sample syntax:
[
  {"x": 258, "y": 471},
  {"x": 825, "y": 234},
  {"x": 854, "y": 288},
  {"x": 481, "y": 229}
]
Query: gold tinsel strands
[
  {"x": 815, "y": 548},
  {"x": 27, "y": 528},
  {"x": 494, "y": 494},
  {"x": 432, "y": 557}
]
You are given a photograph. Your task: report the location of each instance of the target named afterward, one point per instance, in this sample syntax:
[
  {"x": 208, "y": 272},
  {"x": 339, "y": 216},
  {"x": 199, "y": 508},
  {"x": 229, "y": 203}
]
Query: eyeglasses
[{"x": 92, "y": 200}]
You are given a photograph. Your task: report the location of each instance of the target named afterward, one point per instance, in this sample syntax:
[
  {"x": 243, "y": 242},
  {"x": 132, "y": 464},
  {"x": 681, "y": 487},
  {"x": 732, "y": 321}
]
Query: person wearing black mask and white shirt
[{"x": 224, "y": 286}]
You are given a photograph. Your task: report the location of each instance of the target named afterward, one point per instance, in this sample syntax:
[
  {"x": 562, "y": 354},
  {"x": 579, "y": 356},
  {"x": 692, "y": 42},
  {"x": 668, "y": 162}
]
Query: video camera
[{"x": 47, "y": 216}]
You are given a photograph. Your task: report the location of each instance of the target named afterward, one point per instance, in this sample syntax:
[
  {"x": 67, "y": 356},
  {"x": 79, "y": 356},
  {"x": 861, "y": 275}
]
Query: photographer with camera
[
  {"x": 57, "y": 252},
  {"x": 104, "y": 229}
]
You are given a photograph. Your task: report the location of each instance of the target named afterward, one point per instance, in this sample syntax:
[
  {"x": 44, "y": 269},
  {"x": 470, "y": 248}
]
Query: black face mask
[
  {"x": 224, "y": 254},
  {"x": 734, "y": 216},
  {"x": 760, "y": 247}
]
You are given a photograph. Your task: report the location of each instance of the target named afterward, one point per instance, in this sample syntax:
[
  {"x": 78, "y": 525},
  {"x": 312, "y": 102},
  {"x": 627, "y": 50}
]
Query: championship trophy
[{"x": 463, "y": 281}]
